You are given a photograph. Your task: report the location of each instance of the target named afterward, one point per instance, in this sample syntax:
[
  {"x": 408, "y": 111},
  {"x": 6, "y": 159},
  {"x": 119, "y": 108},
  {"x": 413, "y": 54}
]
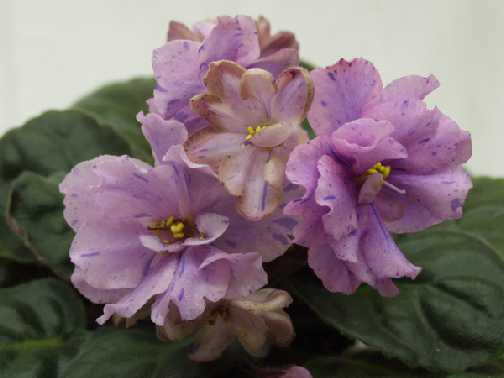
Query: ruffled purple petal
[
  {"x": 263, "y": 189},
  {"x": 342, "y": 93},
  {"x": 161, "y": 134},
  {"x": 93, "y": 294},
  {"x": 336, "y": 191},
  {"x": 109, "y": 255},
  {"x": 176, "y": 70},
  {"x": 379, "y": 250},
  {"x": 156, "y": 280},
  {"x": 294, "y": 96},
  {"x": 365, "y": 142},
  {"x": 302, "y": 165},
  {"x": 333, "y": 272},
  {"x": 96, "y": 191},
  {"x": 233, "y": 38},
  {"x": 411, "y": 87},
  {"x": 429, "y": 199},
  {"x": 206, "y": 273},
  {"x": 277, "y": 61},
  {"x": 449, "y": 147}
]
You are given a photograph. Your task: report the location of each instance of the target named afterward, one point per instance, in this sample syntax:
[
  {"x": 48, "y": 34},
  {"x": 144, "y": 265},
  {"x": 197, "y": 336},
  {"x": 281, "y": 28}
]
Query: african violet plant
[{"x": 242, "y": 248}]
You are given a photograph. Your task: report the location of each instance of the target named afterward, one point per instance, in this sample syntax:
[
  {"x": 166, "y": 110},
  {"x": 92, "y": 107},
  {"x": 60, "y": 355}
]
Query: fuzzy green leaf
[{"x": 452, "y": 316}]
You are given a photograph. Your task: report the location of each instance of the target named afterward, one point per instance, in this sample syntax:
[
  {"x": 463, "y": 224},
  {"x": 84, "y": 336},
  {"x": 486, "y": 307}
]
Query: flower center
[
  {"x": 253, "y": 131},
  {"x": 171, "y": 229},
  {"x": 384, "y": 170}
]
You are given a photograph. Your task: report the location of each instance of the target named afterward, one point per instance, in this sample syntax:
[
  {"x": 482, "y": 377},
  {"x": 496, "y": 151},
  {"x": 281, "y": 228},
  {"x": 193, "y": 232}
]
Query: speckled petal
[
  {"x": 233, "y": 38},
  {"x": 449, "y": 147},
  {"x": 294, "y": 96},
  {"x": 278, "y": 42},
  {"x": 412, "y": 121},
  {"x": 177, "y": 30},
  {"x": 247, "y": 272},
  {"x": 337, "y": 191},
  {"x": 278, "y": 61},
  {"x": 176, "y": 71},
  {"x": 93, "y": 294},
  {"x": 270, "y": 237},
  {"x": 365, "y": 142},
  {"x": 429, "y": 199},
  {"x": 379, "y": 250},
  {"x": 302, "y": 165},
  {"x": 274, "y": 135},
  {"x": 261, "y": 195},
  {"x": 342, "y": 93},
  {"x": 161, "y": 134},
  {"x": 110, "y": 255},
  {"x": 259, "y": 85},
  {"x": 207, "y": 273},
  {"x": 95, "y": 191},
  {"x": 333, "y": 272},
  {"x": 411, "y": 87},
  {"x": 191, "y": 285},
  {"x": 234, "y": 169},
  {"x": 156, "y": 280},
  {"x": 210, "y": 147}
]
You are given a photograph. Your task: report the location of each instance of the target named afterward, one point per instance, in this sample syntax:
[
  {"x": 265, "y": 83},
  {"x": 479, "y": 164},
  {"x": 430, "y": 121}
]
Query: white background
[{"x": 52, "y": 51}]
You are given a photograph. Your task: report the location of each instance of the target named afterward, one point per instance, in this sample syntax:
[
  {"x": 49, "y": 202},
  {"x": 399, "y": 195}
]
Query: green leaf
[
  {"x": 307, "y": 127},
  {"x": 117, "y": 105},
  {"x": 363, "y": 365},
  {"x": 42, "y": 335},
  {"x": 452, "y": 316},
  {"x": 51, "y": 143},
  {"x": 36, "y": 321},
  {"x": 35, "y": 211},
  {"x": 372, "y": 364},
  {"x": 307, "y": 65}
]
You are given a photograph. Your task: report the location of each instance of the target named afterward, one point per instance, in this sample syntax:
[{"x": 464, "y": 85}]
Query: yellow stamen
[
  {"x": 176, "y": 228},
  {"x": 384, "y": 170},
  {"x": 253, "y": 131}
]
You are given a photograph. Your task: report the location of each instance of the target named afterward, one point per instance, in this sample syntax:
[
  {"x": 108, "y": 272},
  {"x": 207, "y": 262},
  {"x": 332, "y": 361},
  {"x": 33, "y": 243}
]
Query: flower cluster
[{"x": 236, "y": 181}]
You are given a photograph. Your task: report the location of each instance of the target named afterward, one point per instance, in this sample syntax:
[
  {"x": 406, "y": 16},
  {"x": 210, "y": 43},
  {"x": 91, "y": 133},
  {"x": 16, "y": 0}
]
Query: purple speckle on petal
[
  {"x": 231, "y": 243},
  {"x": 281, "y": 239},
  {"x": 456, "y": 204},
  {"x": 140, "y": 177},
  {"x": 90, "y": 254},
  {"x": 263, "y": 197},
  {"x": 288, "y": 223},
  {"x": 329, "y": 197},
  {"x": 181, "y": 295}
]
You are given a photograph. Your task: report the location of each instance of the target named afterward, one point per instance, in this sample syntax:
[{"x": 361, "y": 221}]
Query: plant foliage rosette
[{"x": 245, "y": 214}]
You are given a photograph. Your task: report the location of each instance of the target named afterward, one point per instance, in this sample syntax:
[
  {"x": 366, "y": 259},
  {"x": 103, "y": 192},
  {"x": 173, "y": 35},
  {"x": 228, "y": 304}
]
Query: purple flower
[
  {"x": 255, "y": 124},
  {"x": 180, "y": 65},
  {"x": 257, "y": 321},
  {"x": 166, "y": 235},
  {"x": 382, "y": 163},
  {"x": 268, "y": 43}
]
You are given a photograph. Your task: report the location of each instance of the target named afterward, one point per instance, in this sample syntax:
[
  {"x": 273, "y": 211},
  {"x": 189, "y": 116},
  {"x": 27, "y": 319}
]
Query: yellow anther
[
  {"x": 253, "y": 131},
  {"x": 177, "y": 227},
  {"x": 178, "y": 235},
  {"x": 379, "y": 168}
]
